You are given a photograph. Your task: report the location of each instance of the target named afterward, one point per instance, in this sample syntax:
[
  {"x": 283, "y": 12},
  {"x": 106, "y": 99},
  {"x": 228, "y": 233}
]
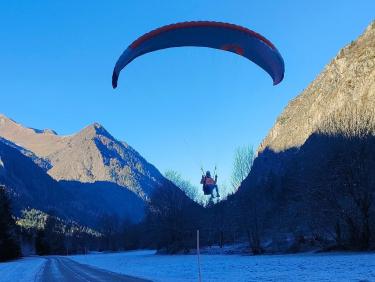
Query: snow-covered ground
[
  {"x": 299, "y": 267},
  {"x": 23, "y": 270},
  {"x": 237, "y": 268}
]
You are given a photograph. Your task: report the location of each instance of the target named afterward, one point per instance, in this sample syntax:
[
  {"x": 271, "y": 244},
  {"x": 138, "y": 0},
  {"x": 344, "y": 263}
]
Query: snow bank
[
  {"x": 22, "y": 270},
  {"x": 299, "y": 267}
]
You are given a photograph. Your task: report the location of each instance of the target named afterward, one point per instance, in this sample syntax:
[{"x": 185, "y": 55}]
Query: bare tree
[
  {"x": 243, "y": 161},
  {"x": 342, "y": 186},
  {"x": 172, "y": 219},
  {"x": 190, "y": 190},
  {"x": 251, "y": 219}
]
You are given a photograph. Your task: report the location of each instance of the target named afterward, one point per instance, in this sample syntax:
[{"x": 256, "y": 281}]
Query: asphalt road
[{"x": 64, "y": 269}]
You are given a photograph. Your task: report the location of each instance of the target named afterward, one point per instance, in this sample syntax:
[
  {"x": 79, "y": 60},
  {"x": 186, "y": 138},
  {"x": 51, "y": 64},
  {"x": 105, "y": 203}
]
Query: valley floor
[
  {"x": 298, "y": 267},
  {"x": 22, "y": 270},
  {"x": 149, "y": 266}
]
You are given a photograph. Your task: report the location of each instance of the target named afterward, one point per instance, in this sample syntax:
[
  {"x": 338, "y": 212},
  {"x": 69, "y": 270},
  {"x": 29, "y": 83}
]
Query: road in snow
[
  {"x": 181, "y": 268},
  {"x": 58, "y": 269},
  {"x": 64, "y": 269}
]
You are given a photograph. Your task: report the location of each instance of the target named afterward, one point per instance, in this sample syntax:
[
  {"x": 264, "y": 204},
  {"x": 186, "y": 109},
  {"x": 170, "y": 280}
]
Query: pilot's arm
[{"x": 202, "y": 179}]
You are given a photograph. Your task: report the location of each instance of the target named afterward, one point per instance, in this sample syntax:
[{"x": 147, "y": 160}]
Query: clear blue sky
[{"x": 56, "y": 61}]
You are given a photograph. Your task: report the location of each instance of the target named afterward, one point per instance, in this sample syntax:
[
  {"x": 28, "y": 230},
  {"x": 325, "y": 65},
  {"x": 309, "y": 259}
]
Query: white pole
[{"x": 199, "y": 260}]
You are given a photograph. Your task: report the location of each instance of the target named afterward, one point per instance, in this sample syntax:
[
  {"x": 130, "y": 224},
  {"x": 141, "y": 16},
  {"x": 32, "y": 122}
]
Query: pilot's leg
[{"x": 217, "y": 191}]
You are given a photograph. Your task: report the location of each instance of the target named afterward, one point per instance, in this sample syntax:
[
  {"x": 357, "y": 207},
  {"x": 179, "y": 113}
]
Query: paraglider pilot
[{"x": 209, "y": 184}]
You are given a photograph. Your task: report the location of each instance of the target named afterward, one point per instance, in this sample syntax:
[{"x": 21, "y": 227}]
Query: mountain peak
[
  {"x": 49, "y": 131},
  {"x": 5, "y": 121},
  {"x": 90, "y": 155},
  {"x": 96, "y": 129},
  {"x": 4, "y": 118},
  {"x": 97, "y": 125}
]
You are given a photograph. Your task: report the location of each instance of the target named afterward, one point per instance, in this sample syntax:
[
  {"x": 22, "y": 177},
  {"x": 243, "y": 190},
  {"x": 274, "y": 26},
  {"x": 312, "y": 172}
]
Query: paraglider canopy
[{"x": 223, "y": 36}]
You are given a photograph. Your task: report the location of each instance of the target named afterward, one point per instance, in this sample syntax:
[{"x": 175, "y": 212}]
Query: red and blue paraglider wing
[{"x": 217, "y": 35}]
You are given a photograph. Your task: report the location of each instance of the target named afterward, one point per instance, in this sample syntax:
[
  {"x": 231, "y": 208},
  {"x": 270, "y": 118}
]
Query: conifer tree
[{"x": 9, "y": 244}]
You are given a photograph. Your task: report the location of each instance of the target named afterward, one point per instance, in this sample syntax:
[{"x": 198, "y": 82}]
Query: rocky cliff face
[
  {"x": 89, "y": 156},
  {"x": 347, "y": 81},
  {"x": 317, "y": 162},
  {"x": 345, "y": 86}
]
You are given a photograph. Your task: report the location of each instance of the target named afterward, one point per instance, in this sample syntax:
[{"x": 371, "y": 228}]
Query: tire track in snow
[{"x": 64, "y": 269}]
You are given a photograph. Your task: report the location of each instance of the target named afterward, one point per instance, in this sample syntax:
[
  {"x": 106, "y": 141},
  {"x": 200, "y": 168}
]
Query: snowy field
[
  {"x": 23, "y": 270},
  {"x": 145, "y": 264},
  {"x": 300, "y": 267}
]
